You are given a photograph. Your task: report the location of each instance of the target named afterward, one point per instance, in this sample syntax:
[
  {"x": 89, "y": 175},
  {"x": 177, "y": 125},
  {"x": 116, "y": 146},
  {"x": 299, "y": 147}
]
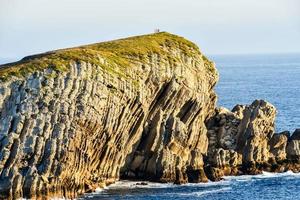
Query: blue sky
[{"x": 217, "y": 26}]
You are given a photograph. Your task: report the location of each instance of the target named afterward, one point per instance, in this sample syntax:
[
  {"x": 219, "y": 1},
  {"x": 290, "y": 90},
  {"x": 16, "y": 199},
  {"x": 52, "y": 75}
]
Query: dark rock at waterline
[
  {"x": 142, "y": 183},
  {"x": 296, "y": 135}
]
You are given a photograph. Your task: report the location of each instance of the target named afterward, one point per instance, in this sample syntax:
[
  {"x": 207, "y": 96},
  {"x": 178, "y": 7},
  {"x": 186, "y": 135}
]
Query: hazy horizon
[{"x": 218, "y": 28}]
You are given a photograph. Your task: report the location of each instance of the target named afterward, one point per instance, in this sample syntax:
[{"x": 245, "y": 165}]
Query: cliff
[
  {"x": 243, "y": 141},
  {"x": 75, "y": 119},
  {"x": 140, "y": 108}
]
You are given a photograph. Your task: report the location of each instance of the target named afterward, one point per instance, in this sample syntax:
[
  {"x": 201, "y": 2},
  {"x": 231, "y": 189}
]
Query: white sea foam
[
  {"x": 139, "y": 184},
  {"x": 239, "y": 178},
  {"x": 98, "y": 190},
  {"x": 147, "y": 184},
  {"x": 224, "y": 183},
  {"x": 274, "y": 175},
  {"x": 262, "y": 176},
  {"x": 202, "y": 193},
  {"x": 209, "y": 183}
]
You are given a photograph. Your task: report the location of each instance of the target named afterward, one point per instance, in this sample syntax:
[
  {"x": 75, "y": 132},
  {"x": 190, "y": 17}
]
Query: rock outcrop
[
  {"x": 293, "y": 147},
  {"x": 140, "y": 108},
  {"x": 243, "y": 141},
  {"x": 76, "y": 119}
]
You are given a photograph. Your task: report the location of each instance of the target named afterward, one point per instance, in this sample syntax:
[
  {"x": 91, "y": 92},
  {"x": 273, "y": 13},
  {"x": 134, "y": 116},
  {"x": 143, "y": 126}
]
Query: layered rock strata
[
  {"x": 139, "y": 108},
  {"x": 76, "y": 119},
  {"x": 243, "y": 141}
]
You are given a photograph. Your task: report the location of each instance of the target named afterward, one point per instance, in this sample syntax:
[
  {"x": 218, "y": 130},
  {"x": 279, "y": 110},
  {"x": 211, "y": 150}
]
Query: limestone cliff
[
  {"x": 142, "y": 108},
  {"x": 76, "y": 119},
  {"x": 243, "y": 141}
]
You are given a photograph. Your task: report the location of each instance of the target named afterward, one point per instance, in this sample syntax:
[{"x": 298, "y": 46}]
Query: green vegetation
[
  {"x": 208, "y": 64},
  {"x": 121, "y": 53}
]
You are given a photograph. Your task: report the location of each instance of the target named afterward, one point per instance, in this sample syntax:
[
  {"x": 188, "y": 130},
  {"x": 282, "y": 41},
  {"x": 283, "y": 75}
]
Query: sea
[
  {"x": 274, "y": 78},
  {"x": 243, "y": 78}
]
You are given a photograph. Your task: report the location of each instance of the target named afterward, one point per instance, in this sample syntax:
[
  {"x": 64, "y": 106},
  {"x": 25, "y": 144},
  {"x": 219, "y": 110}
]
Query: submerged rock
[{"x": 142, "y": 183}]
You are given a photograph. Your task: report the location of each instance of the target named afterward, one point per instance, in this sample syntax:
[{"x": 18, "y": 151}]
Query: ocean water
[
  {"x": 275, "y": 78},
  {"x": 266, "y": 186}
]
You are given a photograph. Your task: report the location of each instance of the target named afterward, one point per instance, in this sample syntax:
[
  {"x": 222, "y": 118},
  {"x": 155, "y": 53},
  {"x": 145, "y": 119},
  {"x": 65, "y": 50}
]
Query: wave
[
  {"x": 139, "y": 184},
  {"x": 274, "y": 175},
  {"x": 262, "y": 176},
  {"x": 148, "y": 184},
  {"x": 209, "y": 183},
  {"x": 210, "y": 187},
  {"x": 239, "y": 178},
  {"x": 98, "y": 190},
  {"x": 202, "y": 193}
]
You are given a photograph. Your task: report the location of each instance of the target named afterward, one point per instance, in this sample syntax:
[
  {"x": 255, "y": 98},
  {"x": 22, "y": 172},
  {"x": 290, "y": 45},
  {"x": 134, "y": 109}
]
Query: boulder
[
  {"x": 224, "y": 158},
  {"x": 255, "y": 131},
  {"x": 278, "y": 145},
  {"x": 293, "y": 146},
  {"x": 296, "y": 135}
]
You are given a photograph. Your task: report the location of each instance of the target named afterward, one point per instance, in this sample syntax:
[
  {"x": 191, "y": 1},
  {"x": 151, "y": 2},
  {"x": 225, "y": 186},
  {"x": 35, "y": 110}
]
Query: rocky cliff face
[
  {"x": 243, "y": 141},
  {"x": 76, "y": 119},
  {"x": 137, "y": 108}
]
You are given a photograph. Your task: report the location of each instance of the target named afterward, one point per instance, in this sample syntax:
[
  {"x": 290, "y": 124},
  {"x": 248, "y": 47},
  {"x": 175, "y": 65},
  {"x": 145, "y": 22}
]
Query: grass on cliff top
[{"x": 120, "y": 52}]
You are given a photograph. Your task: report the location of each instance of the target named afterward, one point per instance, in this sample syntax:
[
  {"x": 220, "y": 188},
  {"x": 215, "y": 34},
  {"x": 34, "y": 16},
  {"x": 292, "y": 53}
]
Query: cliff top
[{"x": 121, "y": 52}]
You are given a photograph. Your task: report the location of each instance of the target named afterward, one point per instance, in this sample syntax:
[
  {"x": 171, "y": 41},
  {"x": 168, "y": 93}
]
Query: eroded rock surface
[
  {"x": 65, "y": 132},
  {"x": 137, "y": 108},
  {"x": 243, "y": 141},
  {"x": 293, "y": 147}
]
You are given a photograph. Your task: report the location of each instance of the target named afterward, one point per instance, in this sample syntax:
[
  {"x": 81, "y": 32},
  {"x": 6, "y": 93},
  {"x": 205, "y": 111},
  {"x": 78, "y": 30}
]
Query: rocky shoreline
[
  {"x": 243, "y": 141},
  {"x": 141, "y": 108}
]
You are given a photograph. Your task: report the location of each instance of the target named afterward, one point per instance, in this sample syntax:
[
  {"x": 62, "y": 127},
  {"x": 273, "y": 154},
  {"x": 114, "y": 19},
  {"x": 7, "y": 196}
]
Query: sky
[{"x": 216, "y": 26}]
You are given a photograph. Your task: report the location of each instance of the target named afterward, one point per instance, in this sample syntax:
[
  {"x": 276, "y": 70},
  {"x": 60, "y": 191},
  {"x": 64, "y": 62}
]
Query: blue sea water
[
  {"x": 275, "y": 78},
  {"x": 267, "y": 186}
]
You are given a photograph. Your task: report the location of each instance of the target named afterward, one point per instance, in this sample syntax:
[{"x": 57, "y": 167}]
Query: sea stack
[{"x": 141, "y": 108}]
